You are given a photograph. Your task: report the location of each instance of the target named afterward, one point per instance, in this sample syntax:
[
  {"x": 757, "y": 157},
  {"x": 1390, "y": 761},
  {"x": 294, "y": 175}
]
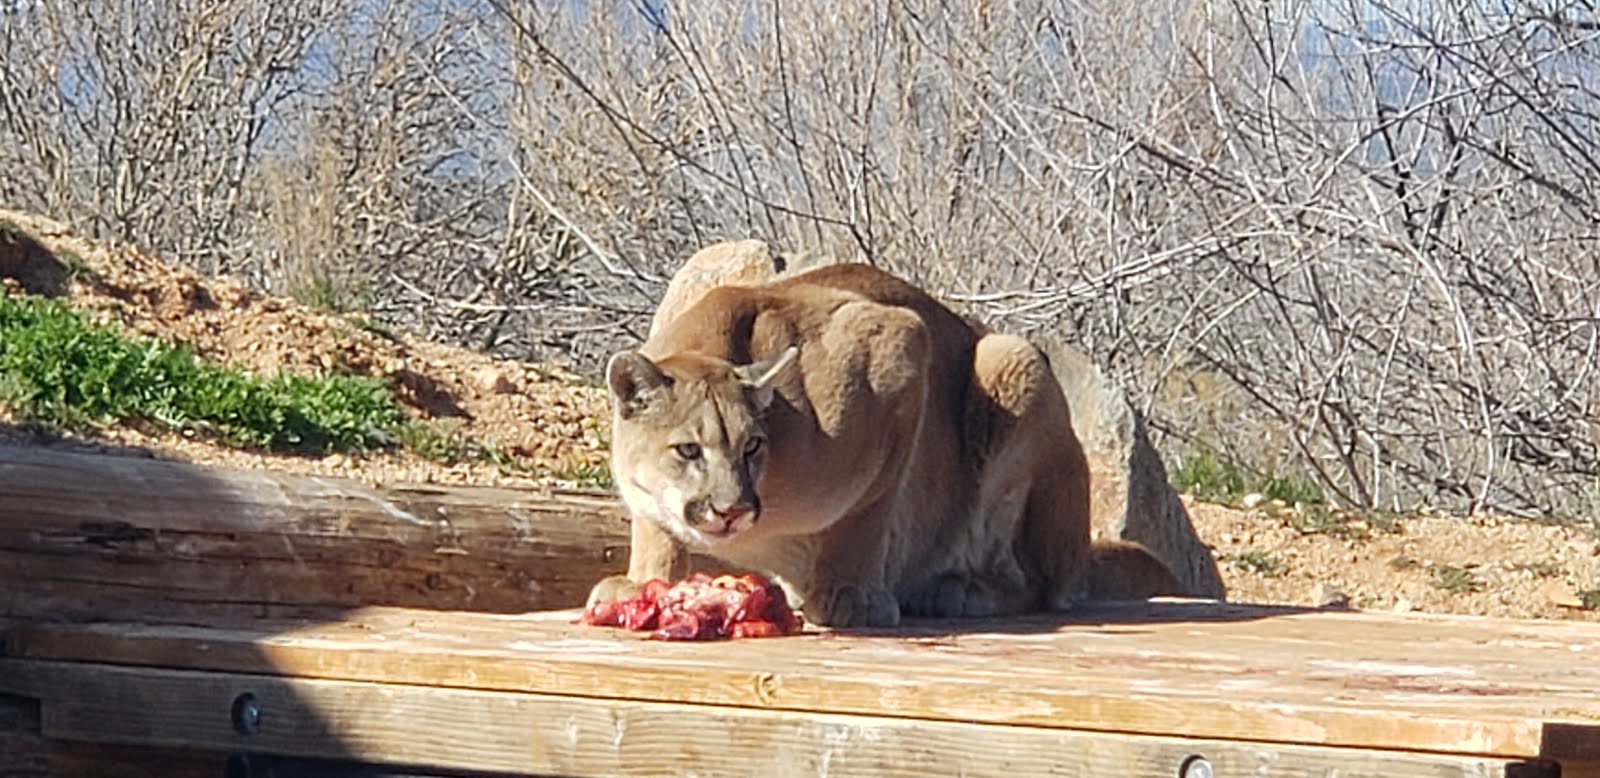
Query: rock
[
  {"x": 1557, "y": 593},
  {"x": 495, "y": 379},
  {"x": 1131, "y": 496},
  {"x": 734, "y": 263},
  {"x": 1325, "y": 596}
]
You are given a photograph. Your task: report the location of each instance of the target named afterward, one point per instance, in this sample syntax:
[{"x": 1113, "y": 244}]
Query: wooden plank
[
  {"x": 1457, "y": 685},
  {"x": 533, "y": 733},
  {"x": 25, "y": 753},
  {"x": 31, "y": 756},
  {"x": 93, "y": 536}
]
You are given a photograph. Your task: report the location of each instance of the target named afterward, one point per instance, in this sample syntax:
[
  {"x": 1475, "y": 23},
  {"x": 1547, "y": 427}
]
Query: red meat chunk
[{"x": 701, "y": 607}]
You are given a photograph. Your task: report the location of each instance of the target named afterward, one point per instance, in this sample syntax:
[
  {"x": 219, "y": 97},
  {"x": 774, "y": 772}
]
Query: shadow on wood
[
  {"x": 1113, "y": 617},
  {"x": 120, "y": 536}
]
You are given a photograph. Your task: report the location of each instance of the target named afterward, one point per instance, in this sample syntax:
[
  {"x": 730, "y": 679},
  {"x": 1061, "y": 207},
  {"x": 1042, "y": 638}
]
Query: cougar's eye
[
  {"x": 687, "y": 451},
  {"x": 753, "y": 445}
]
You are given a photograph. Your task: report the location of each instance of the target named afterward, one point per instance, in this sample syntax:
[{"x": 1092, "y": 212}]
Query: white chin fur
[{"x": 666, "y": 510}]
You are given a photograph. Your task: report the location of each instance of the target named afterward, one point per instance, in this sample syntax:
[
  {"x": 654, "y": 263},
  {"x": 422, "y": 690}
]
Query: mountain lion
[{"x": 880, "y": 454}]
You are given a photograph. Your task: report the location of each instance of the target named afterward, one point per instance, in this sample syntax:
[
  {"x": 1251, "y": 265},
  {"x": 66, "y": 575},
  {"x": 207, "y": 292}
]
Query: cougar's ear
[
  {"x": 762, "y": 378},
  {"x": 634, "y": 382}
]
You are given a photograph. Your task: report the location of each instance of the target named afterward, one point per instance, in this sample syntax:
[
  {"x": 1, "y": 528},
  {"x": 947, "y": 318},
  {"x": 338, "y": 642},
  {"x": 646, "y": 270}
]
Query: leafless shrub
[
  {"x": 1350, "y": 239},
  {"x": 141, "y": 121}
]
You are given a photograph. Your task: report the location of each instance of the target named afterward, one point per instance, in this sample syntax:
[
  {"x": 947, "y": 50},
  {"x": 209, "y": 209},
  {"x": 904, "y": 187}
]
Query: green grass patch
[
  {"x": 1213, "y": 479},
  {"x": 59, "y": 369},
  {"x": 589, "y": 476}
]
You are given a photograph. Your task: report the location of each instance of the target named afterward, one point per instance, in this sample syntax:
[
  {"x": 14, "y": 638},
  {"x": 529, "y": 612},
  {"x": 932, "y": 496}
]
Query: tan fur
[
  {"x": 903, "y": 460},
  {"x": 1122, "y": 570}
]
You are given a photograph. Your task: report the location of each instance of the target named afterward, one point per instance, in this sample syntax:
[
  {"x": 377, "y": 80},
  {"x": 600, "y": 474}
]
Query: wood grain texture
[
  {"x": 31, "y": 756},
  {"x": 95, "y": 536},
  {"x": 25, "y": 753},
  {"x": 534, "y": 733},
  {"x": 1455, "y": 685}
]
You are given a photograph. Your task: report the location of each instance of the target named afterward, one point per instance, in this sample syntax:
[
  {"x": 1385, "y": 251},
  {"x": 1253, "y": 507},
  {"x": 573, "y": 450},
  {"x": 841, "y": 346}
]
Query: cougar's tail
[{"x": 1124, "y": 570}]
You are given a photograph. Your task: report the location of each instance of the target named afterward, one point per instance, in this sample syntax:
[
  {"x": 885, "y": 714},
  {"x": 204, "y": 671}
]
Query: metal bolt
[
  {"x": 1196, "y": 767},
  {"x": 246, "y": 714}
]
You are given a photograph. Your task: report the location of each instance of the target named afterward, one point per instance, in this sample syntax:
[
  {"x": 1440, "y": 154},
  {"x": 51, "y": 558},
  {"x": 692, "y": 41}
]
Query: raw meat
[{"x": 701, "y": 607}]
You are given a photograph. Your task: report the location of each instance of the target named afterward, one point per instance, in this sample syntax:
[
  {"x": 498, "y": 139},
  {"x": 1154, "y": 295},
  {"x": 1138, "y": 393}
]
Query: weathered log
[{"x": 99, "y": 536}]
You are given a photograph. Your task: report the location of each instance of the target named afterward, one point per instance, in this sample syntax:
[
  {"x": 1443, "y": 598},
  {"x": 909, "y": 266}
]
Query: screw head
[
  {"x": 246, "y": 714},
  {"x": 1196, "y": 767}
]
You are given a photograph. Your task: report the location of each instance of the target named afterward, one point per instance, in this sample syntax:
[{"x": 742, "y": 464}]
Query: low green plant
[
  {"x": 1590, "y": 599},
  {"x": 1209, "y": 478},
  {"x": 1453, "y": 579},
  {"x": 77, "y": 268},
  {"x": 1291, "y": 489},
  {"x": 1260, "y": 563},
  {"x": 1213, "y": 479},
  {"x": 59, "y": 369},
  {"x": 369, "y": 324},
  {"x": 1537, "y": 569},
  {"x": 448, "y": 445},
  {"x": 1319, "y": 519},
  {"x": 320, "y": 294},
  {"x": 320, "y": 289},
  {"x": 595, "y": 476}
]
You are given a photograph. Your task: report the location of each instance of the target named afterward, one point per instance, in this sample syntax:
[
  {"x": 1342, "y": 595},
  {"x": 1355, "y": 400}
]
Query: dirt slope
[
  {"x": 540, "y": 420},
  {"x": 1477, "y": 565},
  {"x": 544, "y": 423}
]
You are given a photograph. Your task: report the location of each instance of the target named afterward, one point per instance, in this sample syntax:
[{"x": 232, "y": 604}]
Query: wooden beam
[
  {"x": 95, "y": 536},
  {"x": 25, "y": 753},
  {"x": 31, "y": 756},
  {"x": 543, "y": 734}
]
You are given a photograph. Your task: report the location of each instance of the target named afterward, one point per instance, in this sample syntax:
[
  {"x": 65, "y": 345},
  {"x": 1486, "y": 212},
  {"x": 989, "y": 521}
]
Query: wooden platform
[
  {"x": 110, "y": 687},
  {"x": 1130, "y": 691}
]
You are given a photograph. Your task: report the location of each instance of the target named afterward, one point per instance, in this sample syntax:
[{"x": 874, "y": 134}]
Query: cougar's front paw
[
  {"x": 611, "y": 589},
  {"x": 852, "y": 605},
  {"x": 954, "y": 596}
]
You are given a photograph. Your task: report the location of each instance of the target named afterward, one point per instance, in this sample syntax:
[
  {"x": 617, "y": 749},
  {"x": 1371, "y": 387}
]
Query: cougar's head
[{"x": 688, "y": 442}]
